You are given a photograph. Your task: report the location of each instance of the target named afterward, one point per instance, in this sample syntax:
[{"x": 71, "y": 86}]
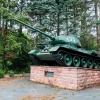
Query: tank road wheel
[
  {"x": 95, "y": 64},
  {"x": 90, "y": 63},
  {"x": 76, "y": 61},
  {"x": 61, "y": 55},
  {"x": 67, "y": 59},
  {"x": 84, "y": 62},
  {"x": 99, "y": 65}
]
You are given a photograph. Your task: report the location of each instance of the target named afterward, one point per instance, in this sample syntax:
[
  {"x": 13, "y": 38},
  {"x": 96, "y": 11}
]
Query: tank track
[
  {"x": 38, "y": 62},
  {"x": 35, "y": 60},
  {"x": 59, "y": 60}
]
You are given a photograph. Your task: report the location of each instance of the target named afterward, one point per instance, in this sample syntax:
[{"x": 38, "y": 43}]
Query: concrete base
[{"x": 65, "y": 77}]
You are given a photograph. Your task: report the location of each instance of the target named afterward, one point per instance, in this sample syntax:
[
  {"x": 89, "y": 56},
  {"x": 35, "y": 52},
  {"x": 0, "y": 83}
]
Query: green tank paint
[
  {"x": 55, "y": 48},
  {"x": 63, "y": 50},
  {"x": 71, "y": 39},
  {"x": 34, "y": 52},
  {"x": 45, "y": 56},
  {"x": 37, "y": 30}
]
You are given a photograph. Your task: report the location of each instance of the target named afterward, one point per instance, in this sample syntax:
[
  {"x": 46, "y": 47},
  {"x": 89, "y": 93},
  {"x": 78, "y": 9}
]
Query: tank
[{"x": 63, "y": 50}]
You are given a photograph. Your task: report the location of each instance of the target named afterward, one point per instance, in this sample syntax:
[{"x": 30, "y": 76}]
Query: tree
[
  {"x": 97, "y": 18},
  {"x": 54, "y": 17},
  {"x": 17, "y": 48}
]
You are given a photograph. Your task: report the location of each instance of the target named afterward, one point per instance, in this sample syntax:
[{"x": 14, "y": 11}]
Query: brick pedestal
[{"x": 65, "y": 77}]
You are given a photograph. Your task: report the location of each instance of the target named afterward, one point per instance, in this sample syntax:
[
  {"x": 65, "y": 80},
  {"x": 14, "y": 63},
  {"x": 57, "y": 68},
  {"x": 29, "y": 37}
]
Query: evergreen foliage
[
  {"x": 55, "y": 17},
  {"x": 17, "y": 48}
]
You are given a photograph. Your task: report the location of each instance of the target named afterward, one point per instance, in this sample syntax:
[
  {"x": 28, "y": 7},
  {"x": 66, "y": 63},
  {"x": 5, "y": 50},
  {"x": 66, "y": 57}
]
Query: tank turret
[{"x": 63, "y": 50}]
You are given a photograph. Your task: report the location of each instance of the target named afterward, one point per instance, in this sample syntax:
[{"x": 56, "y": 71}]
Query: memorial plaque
[{"x": 49, "y": 74}]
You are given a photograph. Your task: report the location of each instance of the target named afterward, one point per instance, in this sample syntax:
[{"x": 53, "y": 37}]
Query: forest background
[{"x": 54, "y": 17}]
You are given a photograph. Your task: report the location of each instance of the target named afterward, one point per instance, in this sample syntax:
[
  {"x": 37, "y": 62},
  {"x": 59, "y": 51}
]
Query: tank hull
[
  {"x": 69, "y": 57},
  {"x": 65, "y": 50},
  {"x": 45, "y": 56}
]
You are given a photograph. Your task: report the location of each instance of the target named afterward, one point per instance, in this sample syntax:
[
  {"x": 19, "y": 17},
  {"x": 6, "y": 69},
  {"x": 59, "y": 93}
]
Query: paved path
[{"x": 24, "y": 87}]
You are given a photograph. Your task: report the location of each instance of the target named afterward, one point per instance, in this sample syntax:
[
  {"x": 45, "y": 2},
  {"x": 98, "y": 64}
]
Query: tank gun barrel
[{"x": 52, "y": 38}]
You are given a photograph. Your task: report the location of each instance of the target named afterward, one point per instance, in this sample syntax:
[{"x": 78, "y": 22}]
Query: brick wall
[
  {"x": 65, "y": 77},
  {"x": 87, "y": 78}
]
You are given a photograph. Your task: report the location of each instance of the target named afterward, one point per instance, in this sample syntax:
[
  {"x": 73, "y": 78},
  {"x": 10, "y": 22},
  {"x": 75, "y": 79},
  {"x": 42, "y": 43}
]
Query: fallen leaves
[
  {"x": 38, "y": 97},
  {"x": 8, "y": 81}
]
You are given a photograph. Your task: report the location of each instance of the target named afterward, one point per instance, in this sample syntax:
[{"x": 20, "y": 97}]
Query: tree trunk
[
  {"x": 83, "y": 21},
  {"x": 3, "y": 56},
  {"x": 0, "y": 22},
  {"x": 67, "y": 25},
  {"x": 97, "y": 8},
  {"x": 2, "y": 27},
  {"x": 58, "y": 26},
  {"x": 20, "y": 29},
  {"x": 21, "y": 9},
  {"x": 58, "y": 15},
  {"x": 74, "y": 17}
]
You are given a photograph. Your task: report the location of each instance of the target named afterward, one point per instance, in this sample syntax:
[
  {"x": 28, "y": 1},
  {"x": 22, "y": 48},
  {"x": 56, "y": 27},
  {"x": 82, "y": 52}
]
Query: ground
[{"x": 21, "y": 88}]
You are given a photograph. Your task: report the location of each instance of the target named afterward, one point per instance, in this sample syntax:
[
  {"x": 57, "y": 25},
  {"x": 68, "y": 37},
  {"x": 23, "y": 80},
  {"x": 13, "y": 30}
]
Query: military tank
[{"x": 64, "y": 50}]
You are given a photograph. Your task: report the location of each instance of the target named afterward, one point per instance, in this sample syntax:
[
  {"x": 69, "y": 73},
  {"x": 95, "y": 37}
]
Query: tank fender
[
  {"x": 94, "y": 52},
  {"x": 34, "y": 52},
  {"x": 55, "y": 48}
]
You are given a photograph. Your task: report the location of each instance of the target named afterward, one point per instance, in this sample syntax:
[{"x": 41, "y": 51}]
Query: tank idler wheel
[
  {"x": 84, "y": 62},
  {"x": 76, "y": 61},
  {"x": 90, "y": 63},
  {"x": 95, "y": 64},
  {"x": 67, "y": 59}
]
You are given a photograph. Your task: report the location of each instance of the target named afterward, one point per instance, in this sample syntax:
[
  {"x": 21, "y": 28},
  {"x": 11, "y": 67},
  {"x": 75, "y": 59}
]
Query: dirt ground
[
  {"x": 9, "y": 81},
  {"x": 38, "y": 97},
  {"x": 21, "y": 88}
]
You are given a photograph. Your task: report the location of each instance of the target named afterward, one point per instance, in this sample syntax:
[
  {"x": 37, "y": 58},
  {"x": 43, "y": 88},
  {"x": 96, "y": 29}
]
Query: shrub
[
  {"x": 10, "y": 73},
  {"x": 2, "y": 73}
]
